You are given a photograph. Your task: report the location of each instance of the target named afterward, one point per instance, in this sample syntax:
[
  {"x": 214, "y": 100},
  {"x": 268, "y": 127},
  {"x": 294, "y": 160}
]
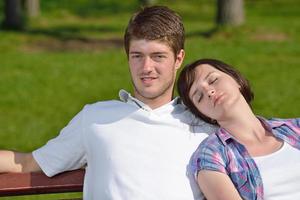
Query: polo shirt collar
[{"x": 126, "y": 97}]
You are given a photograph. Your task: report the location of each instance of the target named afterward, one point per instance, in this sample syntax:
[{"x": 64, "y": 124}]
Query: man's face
[{"x": 153, "y": 69}]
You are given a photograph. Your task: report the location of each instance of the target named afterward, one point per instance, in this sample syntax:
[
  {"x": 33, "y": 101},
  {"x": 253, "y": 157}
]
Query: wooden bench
[{"x": 14, "y": 184}]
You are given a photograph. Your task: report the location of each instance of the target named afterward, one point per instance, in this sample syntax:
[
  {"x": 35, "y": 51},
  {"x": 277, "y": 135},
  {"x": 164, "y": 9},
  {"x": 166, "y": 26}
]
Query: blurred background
[{"x": 56, "y": 56}]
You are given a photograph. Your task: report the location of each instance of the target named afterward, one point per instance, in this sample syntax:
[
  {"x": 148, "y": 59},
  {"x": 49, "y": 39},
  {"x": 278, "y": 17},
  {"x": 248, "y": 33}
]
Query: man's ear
[{"x": 179, "y": 59}]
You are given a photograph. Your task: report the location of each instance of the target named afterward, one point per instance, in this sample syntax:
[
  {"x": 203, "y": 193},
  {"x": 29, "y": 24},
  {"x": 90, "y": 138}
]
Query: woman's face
[{"x": 214, "y": 92}]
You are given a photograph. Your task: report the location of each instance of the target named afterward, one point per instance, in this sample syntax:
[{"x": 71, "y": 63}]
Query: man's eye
[
  {"x": 135, "y": 56},
  {"x": 158, "y": 57}
]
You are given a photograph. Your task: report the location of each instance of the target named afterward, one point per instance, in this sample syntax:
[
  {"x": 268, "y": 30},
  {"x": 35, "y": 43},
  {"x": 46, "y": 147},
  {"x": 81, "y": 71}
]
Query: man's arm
[
  {"x": 17, "y": 162},
  {"x": 217, "y": 186}
]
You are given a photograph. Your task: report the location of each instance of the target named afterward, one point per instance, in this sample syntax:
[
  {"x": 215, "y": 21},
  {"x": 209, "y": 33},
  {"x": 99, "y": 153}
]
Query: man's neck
[{"x": 154, "y": 103}]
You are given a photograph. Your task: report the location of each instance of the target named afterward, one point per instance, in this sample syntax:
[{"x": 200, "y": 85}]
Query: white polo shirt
[{"x": 131, "y": 151}]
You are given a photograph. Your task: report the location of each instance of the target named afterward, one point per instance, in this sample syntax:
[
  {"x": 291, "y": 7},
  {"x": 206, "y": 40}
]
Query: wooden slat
[{"x": 13, "y": 184}]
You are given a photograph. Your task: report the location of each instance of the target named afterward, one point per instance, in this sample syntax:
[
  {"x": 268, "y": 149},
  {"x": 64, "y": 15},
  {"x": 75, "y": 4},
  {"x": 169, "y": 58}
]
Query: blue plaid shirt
[{"x": 221, "y": 152}]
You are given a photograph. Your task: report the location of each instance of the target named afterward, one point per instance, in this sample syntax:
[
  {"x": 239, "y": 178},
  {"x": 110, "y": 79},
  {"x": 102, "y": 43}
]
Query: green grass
[
  {"x": 42, "y": 91},
  {"x": 72, "y": 55},
  {"x": 45, "y": 197}
]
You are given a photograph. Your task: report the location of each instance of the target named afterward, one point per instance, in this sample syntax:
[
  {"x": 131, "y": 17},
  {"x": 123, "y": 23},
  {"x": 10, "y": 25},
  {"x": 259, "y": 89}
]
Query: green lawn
[{"x": 72, "y": 55}]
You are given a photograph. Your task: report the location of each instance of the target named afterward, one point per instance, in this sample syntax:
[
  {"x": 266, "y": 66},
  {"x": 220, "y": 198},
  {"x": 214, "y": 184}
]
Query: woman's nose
[{"x": 211, "y": 93}]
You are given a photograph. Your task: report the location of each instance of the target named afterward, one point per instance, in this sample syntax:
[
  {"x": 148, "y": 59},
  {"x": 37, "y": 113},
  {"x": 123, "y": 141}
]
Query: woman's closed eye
[
  {"x": 199, "y": 97},
  {"x": 213, "y": 80}
]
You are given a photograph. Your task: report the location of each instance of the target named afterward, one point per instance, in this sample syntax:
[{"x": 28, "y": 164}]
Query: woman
[{"x": 249, "y": 157}]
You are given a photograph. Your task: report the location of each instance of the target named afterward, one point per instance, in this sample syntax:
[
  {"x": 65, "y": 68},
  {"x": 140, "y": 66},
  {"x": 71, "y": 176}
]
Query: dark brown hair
[
  {"x": 156, "y": 23},
  {"x": 187, "y": 77}
]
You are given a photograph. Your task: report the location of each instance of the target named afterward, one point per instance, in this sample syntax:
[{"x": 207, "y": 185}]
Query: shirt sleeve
[
  {"x": 209, "y": 156},
  {"x": 66, "y": 151},
  {"x": 296, "y": 124}
]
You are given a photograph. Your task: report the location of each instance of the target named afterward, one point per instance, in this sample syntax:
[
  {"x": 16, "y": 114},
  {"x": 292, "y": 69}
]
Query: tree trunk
[
  {"x": 32, "y": 7},
  {"x": 13, "y": 14},
  {"x": 230, "y": 12}
]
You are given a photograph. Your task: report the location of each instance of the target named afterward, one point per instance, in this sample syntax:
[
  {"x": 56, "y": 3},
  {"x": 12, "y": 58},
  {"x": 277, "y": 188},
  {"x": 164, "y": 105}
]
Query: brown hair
[
  {"x": 156, "y": 23},
  {"x": 187, "y": 77}
]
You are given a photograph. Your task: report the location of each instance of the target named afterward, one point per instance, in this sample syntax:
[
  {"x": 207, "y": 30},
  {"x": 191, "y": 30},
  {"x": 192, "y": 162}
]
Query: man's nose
[{"x": 148, "y": 64}]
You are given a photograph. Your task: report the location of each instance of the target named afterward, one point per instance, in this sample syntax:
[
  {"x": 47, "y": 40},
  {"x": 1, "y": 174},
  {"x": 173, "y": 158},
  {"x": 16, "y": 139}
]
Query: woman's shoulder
[
  {"x": 212, "y": 145},
  {"x": 278, "y": 122},
  {"x": 211, "y": 139},
  {"x": 210, "y": 154}
]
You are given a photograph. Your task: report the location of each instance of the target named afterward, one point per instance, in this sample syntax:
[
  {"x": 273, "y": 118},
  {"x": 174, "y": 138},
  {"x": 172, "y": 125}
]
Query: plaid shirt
[{"x": 221, "y": 152}]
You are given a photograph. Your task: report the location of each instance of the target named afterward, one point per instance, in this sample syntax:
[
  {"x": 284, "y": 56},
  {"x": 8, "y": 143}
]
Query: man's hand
[{"x": 17, "y": 162}]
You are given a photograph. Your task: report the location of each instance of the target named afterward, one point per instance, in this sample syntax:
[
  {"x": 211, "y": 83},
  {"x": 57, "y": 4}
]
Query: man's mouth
[{"x": 148, "y": 79}]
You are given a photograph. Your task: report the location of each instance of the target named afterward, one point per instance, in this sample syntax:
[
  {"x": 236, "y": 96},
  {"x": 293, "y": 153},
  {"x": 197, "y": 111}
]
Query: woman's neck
[
  {"x": 242, "y": 124},
  {"x": 244, "y": 128},
  {"x": 248, "y": 130}
]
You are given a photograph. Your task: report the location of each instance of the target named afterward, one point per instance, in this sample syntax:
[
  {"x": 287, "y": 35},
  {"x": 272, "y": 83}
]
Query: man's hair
[
  {"x": 156, "y": 23},
  {"x": 187, "y": 77}
]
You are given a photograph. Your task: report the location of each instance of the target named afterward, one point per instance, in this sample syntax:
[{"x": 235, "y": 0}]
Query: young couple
[{"x": 140, "y": 147}]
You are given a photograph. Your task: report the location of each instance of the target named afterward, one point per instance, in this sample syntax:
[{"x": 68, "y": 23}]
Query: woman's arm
[{"x": 217, "y": 186}]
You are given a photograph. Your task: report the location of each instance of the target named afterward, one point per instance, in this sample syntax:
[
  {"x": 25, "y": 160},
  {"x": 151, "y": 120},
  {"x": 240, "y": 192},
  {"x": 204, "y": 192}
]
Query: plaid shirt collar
[{"x": 226, "y": 137}]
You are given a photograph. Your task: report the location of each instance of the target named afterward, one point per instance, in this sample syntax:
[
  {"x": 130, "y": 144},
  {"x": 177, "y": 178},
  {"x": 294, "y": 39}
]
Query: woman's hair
[
  {"x": 156, "y": 23},
  {"x": 187, "y": 77}
]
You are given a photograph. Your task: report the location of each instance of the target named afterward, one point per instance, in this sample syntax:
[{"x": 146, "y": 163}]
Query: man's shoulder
[
  {"x": 196, "y": 124},
  {"x": 110, "y": 110},
  {"x": 108, "y": 104}
]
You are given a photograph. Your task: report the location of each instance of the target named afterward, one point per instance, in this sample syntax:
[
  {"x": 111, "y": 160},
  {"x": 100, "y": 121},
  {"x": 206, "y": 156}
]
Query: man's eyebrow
[
  {"x": 134, "y": 52},
  {"x": 160, "y": 52}
]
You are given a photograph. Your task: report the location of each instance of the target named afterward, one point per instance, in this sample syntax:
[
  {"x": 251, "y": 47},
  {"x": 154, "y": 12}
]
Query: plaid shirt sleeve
[{"x": 210, "y": 156}]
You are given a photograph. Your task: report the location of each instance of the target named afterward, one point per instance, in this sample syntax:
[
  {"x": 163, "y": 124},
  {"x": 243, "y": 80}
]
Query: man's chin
[{"x": 147, "y": 94}]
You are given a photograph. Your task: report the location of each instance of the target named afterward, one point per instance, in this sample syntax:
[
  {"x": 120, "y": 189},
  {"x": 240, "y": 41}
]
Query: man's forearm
[{"x": 17, "y": 162}]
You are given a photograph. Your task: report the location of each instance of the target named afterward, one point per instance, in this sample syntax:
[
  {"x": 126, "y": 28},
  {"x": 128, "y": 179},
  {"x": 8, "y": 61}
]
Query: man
[{"x": 139, "y": 147}]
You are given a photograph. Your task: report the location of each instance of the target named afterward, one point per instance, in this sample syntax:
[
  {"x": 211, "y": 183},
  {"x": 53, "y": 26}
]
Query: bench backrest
[{"x": 13, "y": 184}]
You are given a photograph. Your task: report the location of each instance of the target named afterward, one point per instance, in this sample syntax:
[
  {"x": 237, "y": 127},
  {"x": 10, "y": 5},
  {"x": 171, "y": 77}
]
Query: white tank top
[{"x": 280, "y": 172}]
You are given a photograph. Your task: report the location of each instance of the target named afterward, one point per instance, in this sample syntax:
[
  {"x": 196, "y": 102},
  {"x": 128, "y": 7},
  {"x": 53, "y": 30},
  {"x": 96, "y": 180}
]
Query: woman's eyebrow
[
  {"x": 208, "y": 74},
  {"x": 194, "y": 92}
]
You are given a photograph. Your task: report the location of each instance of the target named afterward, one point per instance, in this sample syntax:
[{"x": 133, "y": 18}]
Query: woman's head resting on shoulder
[{"x": 209, "y": 88}]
